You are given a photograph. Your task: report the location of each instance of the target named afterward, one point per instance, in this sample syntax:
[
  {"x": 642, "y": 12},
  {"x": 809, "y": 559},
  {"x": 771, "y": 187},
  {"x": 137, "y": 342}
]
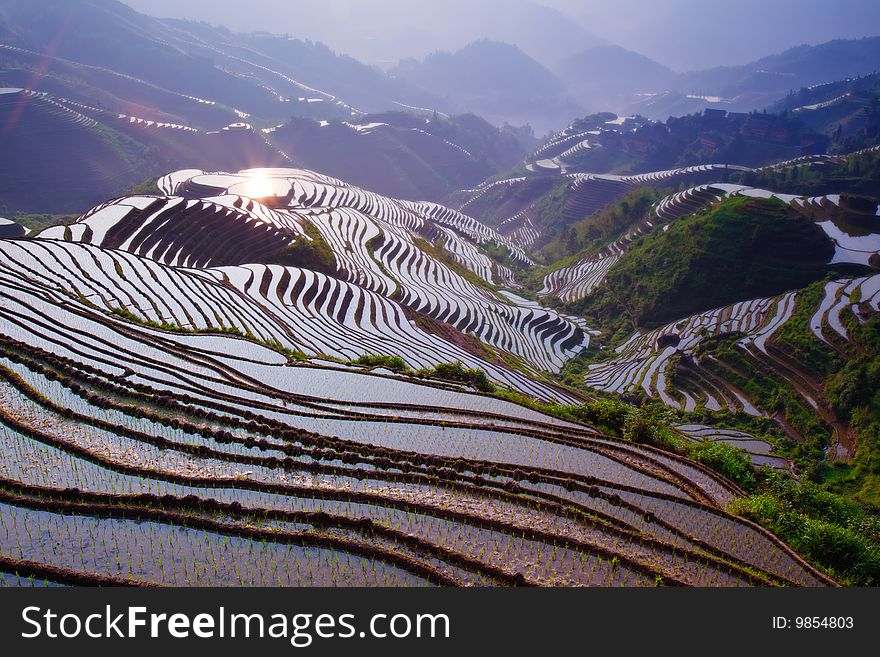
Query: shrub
[
  {"x": 608, "y": 414},
  {"x": 828, "y": 530},
  {"x": 393, "y": 363},
  {"x": 459, "y": 373},
  {"x": 725, "y": 459}
]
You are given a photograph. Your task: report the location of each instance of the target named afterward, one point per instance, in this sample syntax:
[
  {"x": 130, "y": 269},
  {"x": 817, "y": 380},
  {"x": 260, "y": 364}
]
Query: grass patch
[
  {"x": 40, "y": 222},
  {"x": 147, "y": 188},
  {"x": 393, "y": 363},
  {"x": 308, "y": 252},
  {"x": 828, "y": 530},
  {"x": 594, "y": 232},
  {"x": 457, "y": 372},
  {"x": 742, "y": 248}
]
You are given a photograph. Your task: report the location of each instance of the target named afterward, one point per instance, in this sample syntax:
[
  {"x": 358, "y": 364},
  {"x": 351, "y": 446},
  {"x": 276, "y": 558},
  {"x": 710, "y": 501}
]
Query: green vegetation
[
  {"x": 857, "y": 174},
  {"x": 570, "y": 243},
  {"x": 311, "y": 252},
  {"x": 848, "y": 380},
  {"x": 147, "y": 188},
  {"x": 828, "y": 530},
  {"x": 39, "y": 222},
  {"x": 851, "y": 119},
  {"x": 393, "y": 363},
  {"x": 741, "y": 249},
  {"x": 596, "y": 231},
  {"x": 455, "y": 372},
  {"x": 126, "y": 314},
  {"x": 770, "y": 392},
  {"x": 854, "y": 393},
  {"x": 603, "y": 310},
  {"x": 753, "y": 140},
  {"x": 547, "y": 210},
  {"x": 651, "y": 424},
  {"x": 293, "y": 355},
  {"x": 796, "y": 337},
  {"x": 458, "y": 373},
  {"x": 725, "y": 459},
  {"x": 501, "y": 254}
]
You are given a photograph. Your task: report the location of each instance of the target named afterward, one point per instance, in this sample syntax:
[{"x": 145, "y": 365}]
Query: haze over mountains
[
  {"x": 681, "y": 34},
  {"x": 207, "y": 78},
  {"x": 580, "y": 45},
  {"x": 551, "y": 68},
  {"x": 173, "y": 94}
]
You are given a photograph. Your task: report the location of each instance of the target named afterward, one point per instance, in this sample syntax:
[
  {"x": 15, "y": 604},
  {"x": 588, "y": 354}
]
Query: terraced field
[
  {"x": 580, "y": 279},
  {"x": 145, "y": 457},
  {"x": 381, "y": 268},
  {"x": 646, "y": 361},
  {"x": 668, "y": 363},
  {"x": 577, "y": 281},
  {"x": 676, "y": 363},
  {"x": 161, "y": 421},
  {"x": 592, "y": 192},
  {"x": 585, "y": 194}
]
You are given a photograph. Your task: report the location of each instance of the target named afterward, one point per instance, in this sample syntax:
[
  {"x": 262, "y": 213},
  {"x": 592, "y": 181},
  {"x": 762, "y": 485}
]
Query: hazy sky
[{"x": 683, "y": 34}]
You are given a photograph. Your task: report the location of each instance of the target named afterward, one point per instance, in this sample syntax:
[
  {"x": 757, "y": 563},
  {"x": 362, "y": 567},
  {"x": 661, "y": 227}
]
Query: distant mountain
[
  {"x": 256, "y": 74},
  {"x": 792, "y": 69},
  {"x": 763, "y": 82},
  {"x": 544, "y": 33},
  {"x": 397, "y": 153},
  {"x": 496, "y": 80},
  {"x": 311, "y": 65},
  {"x": 604, "y": 77},
  {"x": 126, "y": 97},
  {"x": 383, "y": 33},
  {"x": 482, "y": 67}
]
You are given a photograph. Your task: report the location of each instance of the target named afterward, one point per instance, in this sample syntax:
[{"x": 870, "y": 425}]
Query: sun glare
[{"x": 259, "y": 187}]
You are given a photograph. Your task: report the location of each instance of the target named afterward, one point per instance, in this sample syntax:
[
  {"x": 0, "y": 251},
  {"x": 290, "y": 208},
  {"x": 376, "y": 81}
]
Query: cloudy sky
[{"x": 682, "y": 34}]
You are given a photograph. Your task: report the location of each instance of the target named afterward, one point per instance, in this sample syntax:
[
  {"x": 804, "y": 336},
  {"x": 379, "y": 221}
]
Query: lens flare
[{"x": 259, "y": 187}]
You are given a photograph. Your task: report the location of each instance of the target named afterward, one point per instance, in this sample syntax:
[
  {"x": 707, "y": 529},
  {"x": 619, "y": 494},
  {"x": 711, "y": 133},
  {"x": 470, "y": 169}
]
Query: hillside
[
  {"x": 400, "y": 154},
  {"x": 412, "y": 257},
  {"x": 252, "y": 73},
  {"x": 845, "y": 110},
  {"x": 723, "y": 272},
  {"x": 273, "y": 317},
  {"x": 600, "y": 158},
  {"x": 742, "y": 249},
  {"x": 36, "y": 131},
  {"x": 105, "y": 153}
]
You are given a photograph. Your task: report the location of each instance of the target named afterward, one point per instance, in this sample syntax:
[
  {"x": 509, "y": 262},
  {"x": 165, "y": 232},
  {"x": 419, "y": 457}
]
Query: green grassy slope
[{"x": 741, "y": 249}]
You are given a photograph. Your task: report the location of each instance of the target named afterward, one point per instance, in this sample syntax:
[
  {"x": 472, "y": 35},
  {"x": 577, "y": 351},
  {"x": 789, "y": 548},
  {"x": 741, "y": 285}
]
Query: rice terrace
[{"x": 266, "y": 320}]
